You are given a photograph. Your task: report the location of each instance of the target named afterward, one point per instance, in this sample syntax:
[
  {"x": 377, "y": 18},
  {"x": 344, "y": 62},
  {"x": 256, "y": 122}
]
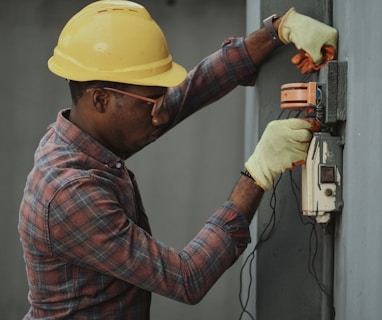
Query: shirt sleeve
[
  {"x": 88, "y": 227},
  {"x": 214, "y": 77}
]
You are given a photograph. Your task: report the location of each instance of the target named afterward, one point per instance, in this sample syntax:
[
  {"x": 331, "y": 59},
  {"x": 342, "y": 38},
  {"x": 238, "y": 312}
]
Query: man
[{"x": 86, "y": 238}]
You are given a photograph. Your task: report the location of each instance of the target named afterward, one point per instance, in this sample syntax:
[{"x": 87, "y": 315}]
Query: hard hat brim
[
  {"x": 171, "y": 78},
  {"x": 174, "y": 76}
]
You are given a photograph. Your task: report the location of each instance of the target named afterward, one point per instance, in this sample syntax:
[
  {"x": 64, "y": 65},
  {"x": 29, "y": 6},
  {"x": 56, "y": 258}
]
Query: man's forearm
[
  {"x": 259, "y": 45},
  {"x": 246, "y": 195}
]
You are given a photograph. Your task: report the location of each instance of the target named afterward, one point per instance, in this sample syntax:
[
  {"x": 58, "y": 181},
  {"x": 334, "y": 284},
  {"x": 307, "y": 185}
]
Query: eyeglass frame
[{"x": 157, "y": 103}]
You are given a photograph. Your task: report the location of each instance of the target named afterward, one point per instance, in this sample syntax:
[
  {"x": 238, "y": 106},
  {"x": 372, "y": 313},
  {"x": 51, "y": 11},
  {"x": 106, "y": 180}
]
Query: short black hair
[{"x": 77, "y": 88}]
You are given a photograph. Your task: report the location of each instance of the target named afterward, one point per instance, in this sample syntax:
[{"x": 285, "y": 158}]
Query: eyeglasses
[{"x": 156, "y": 103}]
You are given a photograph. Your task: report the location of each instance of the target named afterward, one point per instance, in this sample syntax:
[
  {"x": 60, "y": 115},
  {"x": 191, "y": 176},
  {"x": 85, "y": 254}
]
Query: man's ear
[{"x": 100, "y": 99}]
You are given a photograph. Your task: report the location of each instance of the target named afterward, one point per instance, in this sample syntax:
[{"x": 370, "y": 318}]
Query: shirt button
[{"x": 118, "y": 165}]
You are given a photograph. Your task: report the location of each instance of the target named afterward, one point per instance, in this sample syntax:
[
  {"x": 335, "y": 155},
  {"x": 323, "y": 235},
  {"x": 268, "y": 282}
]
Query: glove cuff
[
  {"x": 259, "y": 177},
  {"x": 284, "y": 29}
]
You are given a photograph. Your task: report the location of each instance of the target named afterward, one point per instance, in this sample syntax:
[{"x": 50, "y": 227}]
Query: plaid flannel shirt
[{"x": 86, "y": 238}]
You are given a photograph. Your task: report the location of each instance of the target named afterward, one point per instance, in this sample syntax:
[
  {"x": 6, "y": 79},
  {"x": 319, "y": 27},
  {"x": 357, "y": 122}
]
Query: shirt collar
[{"x": 83, "y": 141}]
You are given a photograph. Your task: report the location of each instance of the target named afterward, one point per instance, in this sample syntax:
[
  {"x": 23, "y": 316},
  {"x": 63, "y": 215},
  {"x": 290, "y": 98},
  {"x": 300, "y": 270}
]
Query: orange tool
[{"x": 299, "y": 96}]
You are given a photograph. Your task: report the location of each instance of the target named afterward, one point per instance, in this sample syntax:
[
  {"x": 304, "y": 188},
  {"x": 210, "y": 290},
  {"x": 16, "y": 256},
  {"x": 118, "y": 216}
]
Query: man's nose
[{"x": 162, "y": 117}]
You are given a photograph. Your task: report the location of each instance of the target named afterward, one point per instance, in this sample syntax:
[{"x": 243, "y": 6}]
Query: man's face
[{"x": 128, "y": 123}]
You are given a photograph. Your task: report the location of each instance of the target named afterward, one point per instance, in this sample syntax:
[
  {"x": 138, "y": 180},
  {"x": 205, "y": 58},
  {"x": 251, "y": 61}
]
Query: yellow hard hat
[{"x": 115, "y": 41}]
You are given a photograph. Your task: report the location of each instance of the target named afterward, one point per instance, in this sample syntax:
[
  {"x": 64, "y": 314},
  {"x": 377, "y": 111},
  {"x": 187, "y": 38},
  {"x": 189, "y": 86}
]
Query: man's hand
[
  {"x": 316, "y": 40},
  {"x": 283, "y": 145}
]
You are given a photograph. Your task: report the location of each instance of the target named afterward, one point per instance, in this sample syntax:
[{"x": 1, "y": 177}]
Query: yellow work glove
[
  {"x": 307, "y": 34},
  {"x": 283, "y": 145}
]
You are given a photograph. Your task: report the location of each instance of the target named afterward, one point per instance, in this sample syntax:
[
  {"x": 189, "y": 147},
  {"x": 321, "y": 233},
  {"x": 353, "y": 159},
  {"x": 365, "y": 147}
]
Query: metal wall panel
[{"x": 358, "y": 277}]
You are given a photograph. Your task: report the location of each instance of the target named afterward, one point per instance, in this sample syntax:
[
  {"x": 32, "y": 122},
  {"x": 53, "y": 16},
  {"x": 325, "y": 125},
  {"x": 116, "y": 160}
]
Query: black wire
[
  {"x": 313, "y": 247},
  {"x": 308, "y": 75},
  {"x": 313, "y": 238},
  {"x": 267, "y": 233},
  {"x": 264, "y": 236},
  {"x": 297, "y": 190}
]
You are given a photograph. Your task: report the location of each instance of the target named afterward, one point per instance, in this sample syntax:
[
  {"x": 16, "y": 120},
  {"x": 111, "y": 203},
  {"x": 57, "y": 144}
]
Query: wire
[
  {"x": 313, "y": 246},
  {"x": 308, "y": 75},
  {"x": 264, "y": 236},
  {"x": 270, "y": 228}
]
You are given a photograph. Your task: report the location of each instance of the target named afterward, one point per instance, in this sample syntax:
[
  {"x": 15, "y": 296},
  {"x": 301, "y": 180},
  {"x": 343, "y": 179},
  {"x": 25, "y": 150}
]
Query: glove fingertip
[{"x": 315, "y": 125}]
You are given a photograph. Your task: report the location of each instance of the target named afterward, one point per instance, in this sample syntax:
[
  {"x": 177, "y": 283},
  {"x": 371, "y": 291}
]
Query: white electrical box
[{"x": 322, "y": 177}]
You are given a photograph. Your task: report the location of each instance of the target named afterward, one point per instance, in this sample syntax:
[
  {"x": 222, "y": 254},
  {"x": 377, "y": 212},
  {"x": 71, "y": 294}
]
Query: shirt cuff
[
  {"x": 238, "y": 62},
  {"x": 234, "y": 222}
]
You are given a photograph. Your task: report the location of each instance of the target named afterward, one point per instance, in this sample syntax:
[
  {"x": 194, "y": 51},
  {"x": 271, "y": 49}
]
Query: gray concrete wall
[
  {"x": 358, "y": 276},
  {"x": 184, "y": 176}
]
